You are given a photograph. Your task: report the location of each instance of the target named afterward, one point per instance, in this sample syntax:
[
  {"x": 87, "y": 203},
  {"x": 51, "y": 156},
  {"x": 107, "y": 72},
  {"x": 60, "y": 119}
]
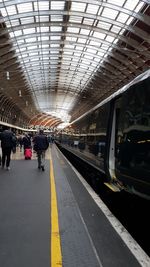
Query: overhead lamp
[
  {"x": 20, "y": 95},
  {"x": 7, "y": 75}
]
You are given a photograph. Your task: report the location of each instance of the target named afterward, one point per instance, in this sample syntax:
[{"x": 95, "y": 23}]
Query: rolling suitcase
[{"x": 28, "y": 153}]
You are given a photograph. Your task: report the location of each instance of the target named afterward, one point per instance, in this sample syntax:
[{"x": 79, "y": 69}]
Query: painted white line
[
  {"x": 57, "y": 153},
  {"x": 134, "y": 247},
  {"x": 91, "y": 242}
]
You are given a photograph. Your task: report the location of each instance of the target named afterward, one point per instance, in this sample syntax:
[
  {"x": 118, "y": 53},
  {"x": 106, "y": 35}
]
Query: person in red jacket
[{"x": 40, "y": 146}]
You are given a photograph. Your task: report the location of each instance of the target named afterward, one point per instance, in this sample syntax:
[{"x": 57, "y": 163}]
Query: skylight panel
[
  {"x": 117, "y": 2},
  {"x": 128, "y": 22},
  {"x": 88, "y": 57},
  {"x": 90, "y": 51},
  {"x": 100, "y": 53},
  {"x": 71, "y": 39},
  {"x": 81, "y": 40},
  {"x": 104, "y": 25},
  {"x": 44, "y": 38},
  {"x": 122, "y": 17},
  {"x": 44, "y": 29},
  {"x": 99, "y": 35},
  {"x": 66, "y": 52},
  {"x": 43, "y": 18},
  {"x": 14, "y": 22},
  {"x": 32, "y": 47},
  {"x": 3, "y": 11},
  {"x": 79, "y": 48},
  {"x": 93, "y": 43},
  {"x": 131, "y": 4},
  {"x": 85, "y": 61},
  {"x": 25, "y": 7},
  {"x": 34, "y": 59},
  {"x": 29, "y": 31},
  {"x": 88, "y": 21},
  {"x": 54, "y": 45},
  {"x": 56, "y": 18},
  {"x": 109, "y": 38},
  {"x": 11, "y": 10},
  {"x": 80, "y": 7},
  {"x": 43, "y": 5},
  {"x": 115, "y": 29},
  {"x": 92, "y": 9},
  {"x": 109, "y": 13},
  {"x": 67, "y": 46},
  {"x": 46, "y": 52},
  {"x": 55, "y": 38},
  {"x": 31, "y": 54},
  {"x": 47, "y": 58},
  {"x": 21, "y": 41},
  {"x": 24, "y": 55},
  {"x": 77, "y": 54},
  {"x": 30, "y": 40},
  {"x": 17, "y": 33},
  {"x": 84, "y": 31},
  {"x": 57, "y": 5},
  {"x": 139, "y": 6},
  {"x": 27, "y": 20},
  {"x": 76, "y": 19},
  {"x": 55, "y": 29},
  {"x": 116, "y": 40},
  {"x": 73, "y": 30},
  {"x": 22, "y": 49}
]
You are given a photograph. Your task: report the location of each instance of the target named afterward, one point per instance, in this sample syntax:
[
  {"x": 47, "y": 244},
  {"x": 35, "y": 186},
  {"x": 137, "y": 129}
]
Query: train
[{"x": 114, "y": 137}]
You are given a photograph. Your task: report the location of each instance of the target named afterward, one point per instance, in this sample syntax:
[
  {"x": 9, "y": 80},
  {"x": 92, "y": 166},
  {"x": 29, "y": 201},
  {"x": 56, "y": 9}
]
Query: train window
[{"x": 132, "y": 149}]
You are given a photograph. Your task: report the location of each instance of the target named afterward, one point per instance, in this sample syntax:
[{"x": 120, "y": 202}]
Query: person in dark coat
[
  {"x": 8, "y": 143},
  {"x": 40, "y": 146},
  {"x": 26, "y": 142}
]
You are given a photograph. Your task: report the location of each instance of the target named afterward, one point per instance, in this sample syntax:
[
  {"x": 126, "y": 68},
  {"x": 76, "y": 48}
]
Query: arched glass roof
[{"x": 69, "y": 55}]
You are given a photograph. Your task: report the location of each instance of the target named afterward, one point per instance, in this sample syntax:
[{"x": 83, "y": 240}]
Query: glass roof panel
[
  {"x": 92, "y": 9},
  {"x": 56, "y": 17},
  {"x": 27, "y": 20},
  {"x": 43, "y": 5},
  {"x": 29, "y": 31},
  {"x": 57, "y": 5},
  {"x": 122, "y": 17},
  {"x": 117, "y": 2},
  {"x": 11, "y": 10},
  {"x": 131, "y": 4},
  {"x": 109, "y": 13},
  {"x": 78, "y": 6},
  {"x": 25, "y": 7}
]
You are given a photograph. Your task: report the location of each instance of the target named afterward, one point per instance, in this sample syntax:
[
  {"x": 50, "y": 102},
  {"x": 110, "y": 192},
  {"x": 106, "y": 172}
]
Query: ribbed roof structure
[{"x": 60, "y": 58}]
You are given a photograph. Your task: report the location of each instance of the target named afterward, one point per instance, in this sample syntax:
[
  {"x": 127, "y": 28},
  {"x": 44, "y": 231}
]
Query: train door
[{"x": 115, "y": 112}]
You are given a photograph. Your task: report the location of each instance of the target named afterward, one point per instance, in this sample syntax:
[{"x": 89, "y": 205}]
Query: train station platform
[{"x": 53, "y": 218}]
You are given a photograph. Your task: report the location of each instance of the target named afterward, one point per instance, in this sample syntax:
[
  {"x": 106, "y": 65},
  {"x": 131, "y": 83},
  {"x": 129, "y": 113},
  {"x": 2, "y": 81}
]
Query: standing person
[
  {"x": 40, "y": 145},
  {"x": 26, "y": 142},
  {"x": 8, "y": 143}
]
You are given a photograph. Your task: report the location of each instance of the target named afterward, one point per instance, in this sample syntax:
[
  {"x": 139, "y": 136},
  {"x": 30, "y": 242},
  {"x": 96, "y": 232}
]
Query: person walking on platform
[
  {"x": 26, "y": 142},
  {"x": 8, "y": 143},
  {"x": 40, "y": 146}
]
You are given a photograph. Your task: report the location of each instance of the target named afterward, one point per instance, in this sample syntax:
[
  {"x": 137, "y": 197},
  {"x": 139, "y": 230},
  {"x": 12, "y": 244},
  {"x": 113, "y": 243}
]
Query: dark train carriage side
[
  {"x": 131, "y": 157},
  {"x": 116, "y": 137}
]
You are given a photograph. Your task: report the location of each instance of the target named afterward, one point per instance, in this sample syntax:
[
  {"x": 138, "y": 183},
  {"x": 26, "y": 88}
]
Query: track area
[{"x": 130, "y": 210}]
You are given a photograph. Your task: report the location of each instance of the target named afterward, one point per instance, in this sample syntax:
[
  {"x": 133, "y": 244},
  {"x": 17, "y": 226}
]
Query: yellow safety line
[{"x": 56, "y": 256}]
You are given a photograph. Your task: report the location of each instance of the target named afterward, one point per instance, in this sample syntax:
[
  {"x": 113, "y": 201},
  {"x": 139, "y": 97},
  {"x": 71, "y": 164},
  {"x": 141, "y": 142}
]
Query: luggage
[{"x": 28, "y": 153}]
